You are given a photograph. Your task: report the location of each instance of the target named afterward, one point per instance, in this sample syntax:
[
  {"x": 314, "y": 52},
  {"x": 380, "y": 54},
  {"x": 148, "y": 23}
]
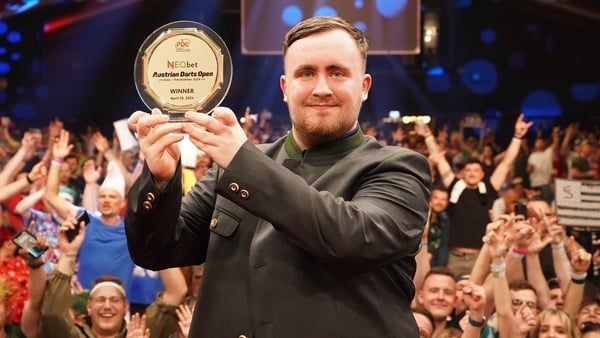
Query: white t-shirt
[{"x": 542, "y": 167}]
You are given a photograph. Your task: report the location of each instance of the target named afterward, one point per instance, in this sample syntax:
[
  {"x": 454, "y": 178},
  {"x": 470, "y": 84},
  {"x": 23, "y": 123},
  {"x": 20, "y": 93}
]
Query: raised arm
[
  {"x": 8, "y": 191},
  {"x": 580, "y": 263},
  {"x": 32, "y": 312},
  {"x": 60, "y": 149},
  {"x": 23, "y": 207},
  {"x": 91, "y": 174},
  {"x": 501, "y": 172},
  {"x": 436, "y": 156},
  {"x": 57, "y": 296},
  {"x": 101, "y": 144},
  {"x": 535, "y": 275},
  {"x": 570, "y": 132},
  {"x": 560, "y": 259},
  {"x": 17, "y": 161},
  {"x": 6, "y": 136},
  {"x": 474, "y": 298}
]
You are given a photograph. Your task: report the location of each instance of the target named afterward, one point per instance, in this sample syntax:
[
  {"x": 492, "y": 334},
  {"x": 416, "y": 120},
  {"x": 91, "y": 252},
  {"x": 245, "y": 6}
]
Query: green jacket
[
  {"x": 56, "y": 321},
  {"x": 315, "y": 243}
]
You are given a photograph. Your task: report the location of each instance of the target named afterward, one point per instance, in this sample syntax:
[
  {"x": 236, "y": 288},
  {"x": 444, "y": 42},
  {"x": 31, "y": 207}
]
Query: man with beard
[
  {"x": 313, "y": 235},
  {"x": 439, "y": 227}
]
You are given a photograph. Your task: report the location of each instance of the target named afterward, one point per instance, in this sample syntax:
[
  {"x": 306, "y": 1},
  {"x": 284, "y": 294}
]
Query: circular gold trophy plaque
[{"x": 183, "y": 66}]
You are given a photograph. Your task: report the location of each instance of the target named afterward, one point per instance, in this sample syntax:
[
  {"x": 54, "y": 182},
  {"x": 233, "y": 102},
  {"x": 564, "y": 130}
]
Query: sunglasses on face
[{"x": 530, "y": 304}]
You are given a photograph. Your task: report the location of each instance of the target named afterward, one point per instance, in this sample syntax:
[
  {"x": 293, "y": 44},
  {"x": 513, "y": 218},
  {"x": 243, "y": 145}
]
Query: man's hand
[
  {"x": 158, "y": 141},
  {"x": 61, "y": 147},
  {"x": 521, "y": 127},
  {"x": 219, "y": 135},
  {"x": 137, "y": 327}
]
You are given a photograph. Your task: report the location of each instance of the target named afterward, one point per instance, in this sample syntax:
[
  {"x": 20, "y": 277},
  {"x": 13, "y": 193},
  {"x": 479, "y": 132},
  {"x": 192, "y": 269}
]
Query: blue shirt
[{"x": 104, "y": 252}]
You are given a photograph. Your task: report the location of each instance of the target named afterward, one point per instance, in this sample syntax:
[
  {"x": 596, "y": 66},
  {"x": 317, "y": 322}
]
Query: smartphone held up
[
  {"x": 26, "y": 240},
  {"x": 81, "y": 217}
]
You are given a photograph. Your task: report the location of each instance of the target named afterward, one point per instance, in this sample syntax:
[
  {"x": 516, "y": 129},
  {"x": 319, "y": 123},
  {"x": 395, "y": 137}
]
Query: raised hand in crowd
[
  {"x": 38, "y": 172},
  {"x": 474, "y": 298},
  {"x": 524, "y": 320},
  {"x": 580, "y": 264},
  {"x": 111, "y": 154},
  {"x": 136, "y": 328},
  {"x": 29, "y": 144},
  {"x": 60, "y": 149},
  {"x": 184, "y": 314},
  {"x": 32, "y": 312}
]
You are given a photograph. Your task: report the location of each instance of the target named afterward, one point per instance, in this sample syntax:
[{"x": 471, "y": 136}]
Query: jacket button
[
  {"x": 213, "y": 223},
  {"x": 234, "y": 187},
  {"x": 150, "y": 197},
  {"x": 147, "y": 205},
  {"x": 244, "y": 194}
]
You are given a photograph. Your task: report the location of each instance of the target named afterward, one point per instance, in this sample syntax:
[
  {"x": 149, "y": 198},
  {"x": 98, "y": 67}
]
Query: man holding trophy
[{"x": 313, "y": 235}]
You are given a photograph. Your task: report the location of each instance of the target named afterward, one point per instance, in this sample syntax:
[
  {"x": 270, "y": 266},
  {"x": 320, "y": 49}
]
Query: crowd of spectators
[{"x": 494, "y": 261}]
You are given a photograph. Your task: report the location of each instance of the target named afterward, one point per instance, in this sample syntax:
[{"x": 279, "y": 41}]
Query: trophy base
[{"x": 177, "y": 117}]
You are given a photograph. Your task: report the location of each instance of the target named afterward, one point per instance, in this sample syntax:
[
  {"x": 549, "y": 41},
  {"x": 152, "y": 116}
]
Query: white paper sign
[
  {"x": 126, "y": 139},
  {"x": 189, "y": 152},
  {"x": 578, "y": 202}
]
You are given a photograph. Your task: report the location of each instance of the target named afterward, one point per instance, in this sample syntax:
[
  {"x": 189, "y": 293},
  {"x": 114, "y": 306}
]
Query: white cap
[{"x": 114, "y": 179}]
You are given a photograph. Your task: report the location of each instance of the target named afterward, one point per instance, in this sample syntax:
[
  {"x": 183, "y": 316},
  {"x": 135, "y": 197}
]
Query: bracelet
[
  {"x": 515, "y": 255},
  {"x": 57, "y": 163},
  {"x": 29, "y": 180},
  {"x": 498, "y": 269},
  {"x": 476, "y": 323},
  {"x": 35, "y": 265},
  {"x": 522, "y": 251},
  {"x": 58, "y": 160},
  {"x": 577, "y": 281},
  {"x": 516, "y": 138},
  {"x": 558, "y": 246}
]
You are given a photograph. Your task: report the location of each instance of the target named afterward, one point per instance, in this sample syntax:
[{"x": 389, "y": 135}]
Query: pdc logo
[{"x": 183, "y": 45}]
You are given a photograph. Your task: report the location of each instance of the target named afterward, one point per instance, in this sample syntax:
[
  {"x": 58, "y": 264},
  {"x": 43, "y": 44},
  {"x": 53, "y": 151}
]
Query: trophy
[{"x": 183, "y": 66}]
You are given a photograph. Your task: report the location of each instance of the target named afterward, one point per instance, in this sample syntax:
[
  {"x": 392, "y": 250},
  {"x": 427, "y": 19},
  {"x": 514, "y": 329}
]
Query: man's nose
[{"x": 321, "y": 86}]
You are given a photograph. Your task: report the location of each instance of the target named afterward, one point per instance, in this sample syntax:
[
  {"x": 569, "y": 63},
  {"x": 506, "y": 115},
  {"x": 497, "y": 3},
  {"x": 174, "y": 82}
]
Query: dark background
[{"x": 75, "y": 62}]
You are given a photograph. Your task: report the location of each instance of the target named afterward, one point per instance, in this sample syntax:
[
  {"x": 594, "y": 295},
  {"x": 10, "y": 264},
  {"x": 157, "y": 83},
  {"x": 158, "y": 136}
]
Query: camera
[{"x": 26, "y": 240}]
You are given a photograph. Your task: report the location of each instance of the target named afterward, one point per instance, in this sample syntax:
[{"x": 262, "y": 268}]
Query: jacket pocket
[{"x": 224, "y": 223}]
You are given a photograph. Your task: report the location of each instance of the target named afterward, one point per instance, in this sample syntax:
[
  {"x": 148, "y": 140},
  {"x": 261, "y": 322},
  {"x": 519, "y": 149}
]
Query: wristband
[
  {"x": 522, "y": 251},
  {"x": 558, "y": 246},
  {"x": 476, "y": 323},
  {"x": 498, "y": 269},
  {"x": 577, "y": 281},
  {"x": 57, "y": 163},
  {"x": 58, "y": 160},
  {"x": 578, "y": 277},
  {"x": 29, "y": 180},
  {"x": 517, "y": 138}
]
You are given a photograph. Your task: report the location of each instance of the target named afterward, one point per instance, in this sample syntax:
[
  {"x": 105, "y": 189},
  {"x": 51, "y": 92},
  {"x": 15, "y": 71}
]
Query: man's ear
[{"x": 282, "y": 85}]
